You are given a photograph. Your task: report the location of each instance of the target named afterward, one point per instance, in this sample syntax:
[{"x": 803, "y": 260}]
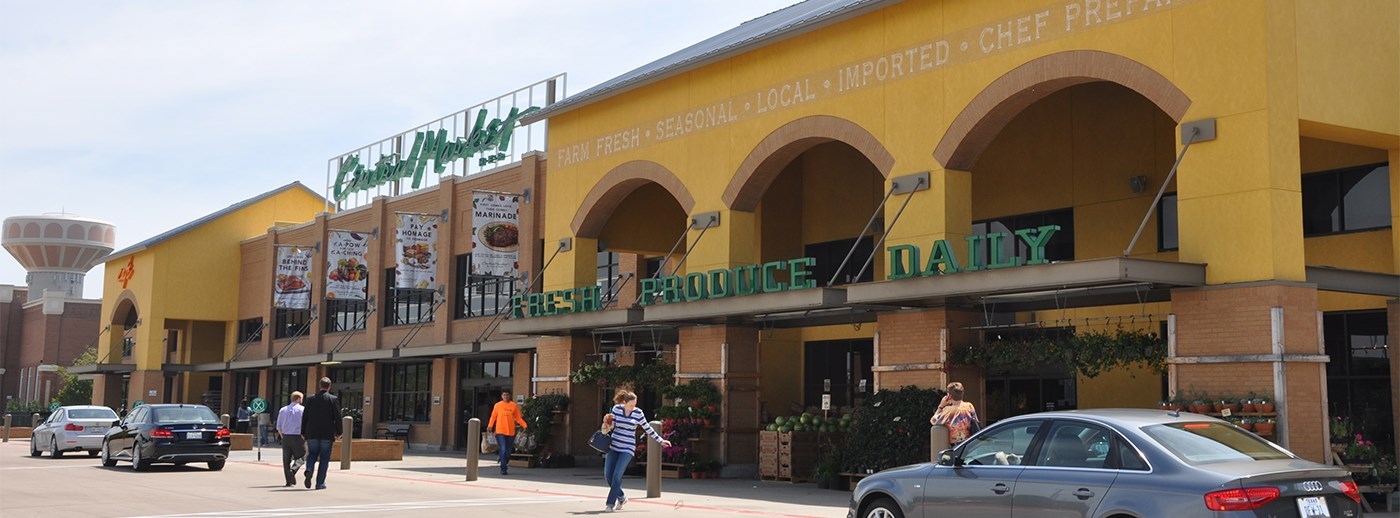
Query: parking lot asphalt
[{"x": 423, "y": 484}]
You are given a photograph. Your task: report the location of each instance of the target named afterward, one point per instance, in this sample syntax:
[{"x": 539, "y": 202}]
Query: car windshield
[
  {"x": 1204, "y": 443},
  {"x": 185, "y": 414},
  {"x": 91, "y": 413}
]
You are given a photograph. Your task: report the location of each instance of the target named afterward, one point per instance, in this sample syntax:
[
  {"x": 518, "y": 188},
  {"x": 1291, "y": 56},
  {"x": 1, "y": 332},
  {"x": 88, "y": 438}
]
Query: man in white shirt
[{"x": 289, "y": 430}]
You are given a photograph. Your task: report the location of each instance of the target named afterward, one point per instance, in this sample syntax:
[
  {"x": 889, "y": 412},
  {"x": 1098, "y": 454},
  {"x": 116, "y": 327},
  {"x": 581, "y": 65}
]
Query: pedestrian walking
[
  {"x": 959, "y": 416},
  {"x": 245, "y": 414},
  {"x": 264, "y": 423},
  {"x": 289, "y": 431},
  {"x": 621, "y": 423},
  {"x": 504, "y": 416},
  {"x": 320, "y": 427}
]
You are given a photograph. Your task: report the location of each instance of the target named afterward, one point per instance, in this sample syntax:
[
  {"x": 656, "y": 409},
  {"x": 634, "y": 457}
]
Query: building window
[
  {"x": 1060, "y": 247},
  {"x": 487, "y": 369},
  {"x": 1346, "y": 200},
  {"x": 405, "y": 392},
  {"x": 481, "y": 295},
  {"x": 250, "y": 330},
  {"x": 829, "y": 256},
  {"x": 406, "y": 305},
  {"x": 283, "y": 383},
  {"x": 609, "y": 278},
  {"x": 128, "y": 346},
  {"x": 289, "y": 322},
  {"x": 1358, "y": 375},
  {"x": 842, "y": 368},
  {"x": 1167, "y": 237},
  {"x": 346, "y": 314}
]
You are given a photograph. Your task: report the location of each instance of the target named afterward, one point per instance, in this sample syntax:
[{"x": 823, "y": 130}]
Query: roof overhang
[
  {"x": 432, "y": 351},
  {"x": 794, "y": 307},
  {"x": 1094, "y": 282},
  {"x": 1361, "y": 282},
  {"x": 572, "y": 324},
  {"x": 103, "y": 368}
]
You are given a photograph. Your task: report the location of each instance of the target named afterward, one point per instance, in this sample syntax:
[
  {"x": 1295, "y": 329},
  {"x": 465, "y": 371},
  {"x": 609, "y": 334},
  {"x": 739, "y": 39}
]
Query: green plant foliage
[
  {"x": 656, "y": 375},
  {"x": 1089, "y": 354},
  {"x": 538, "y": 413},
  {"x": 890, "y": 430},
  {"x": 697, "y": 391},
  {"x": 16, "y": 406}
]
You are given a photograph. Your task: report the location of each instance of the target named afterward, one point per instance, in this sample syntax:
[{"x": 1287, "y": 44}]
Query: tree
[{"x": 76, "y": 391}]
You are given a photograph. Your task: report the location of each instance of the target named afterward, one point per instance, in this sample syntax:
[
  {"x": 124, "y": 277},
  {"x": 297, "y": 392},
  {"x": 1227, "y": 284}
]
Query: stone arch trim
[
  {"x": 784, "y": 144},
  {"x": 615, "y": 186},
  {"x": 991, "y": 110}
]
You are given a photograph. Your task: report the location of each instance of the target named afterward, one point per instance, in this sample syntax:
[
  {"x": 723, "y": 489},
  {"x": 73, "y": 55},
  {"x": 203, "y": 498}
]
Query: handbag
[{"x": 600, "y": 441}]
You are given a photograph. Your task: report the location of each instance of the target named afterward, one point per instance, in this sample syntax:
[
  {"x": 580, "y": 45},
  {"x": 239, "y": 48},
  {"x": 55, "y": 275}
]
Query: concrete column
[
  {"x": 912, "y": 349},
  {"x": 107, "y": 390},
  {"x": 142, "y": 383},
  {"x": 943, "y": 211},
  {"x": 1227, "y": 343},
  {"x": 729, "y": 357},
  {"x": 557, "y": 357}
]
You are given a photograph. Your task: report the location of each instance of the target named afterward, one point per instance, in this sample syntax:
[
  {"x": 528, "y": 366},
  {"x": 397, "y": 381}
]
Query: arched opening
[{"x": 124, "y": 320}]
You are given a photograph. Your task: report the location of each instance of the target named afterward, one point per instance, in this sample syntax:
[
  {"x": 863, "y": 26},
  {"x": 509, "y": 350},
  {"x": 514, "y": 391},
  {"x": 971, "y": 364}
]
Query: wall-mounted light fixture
[{"x": 1138, "y": 183}]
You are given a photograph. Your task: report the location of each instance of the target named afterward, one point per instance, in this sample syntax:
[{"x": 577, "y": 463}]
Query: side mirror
[
  {"x": 949, "y": 457},
  {"x": 116, "y": 424}
]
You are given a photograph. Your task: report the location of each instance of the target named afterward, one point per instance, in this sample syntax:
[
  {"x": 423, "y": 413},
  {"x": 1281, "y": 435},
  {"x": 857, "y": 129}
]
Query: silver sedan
[
  {"x": 72, "y": 428},
  {"x": 1110, "y": 463}
]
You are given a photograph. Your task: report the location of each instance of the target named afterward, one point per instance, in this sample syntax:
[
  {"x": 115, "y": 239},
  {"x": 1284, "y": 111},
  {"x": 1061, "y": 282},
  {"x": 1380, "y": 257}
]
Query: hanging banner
[
  {"x": 290, "y": 288},
  {"x": 495, "y": 234},
  {"x": 347, "y": 274},
  {"x": 417, "y": 246}
]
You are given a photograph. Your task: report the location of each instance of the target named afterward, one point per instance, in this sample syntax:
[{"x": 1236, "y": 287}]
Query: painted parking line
[
  {"x": 375, "y": 507},
  {"x": 71, "y": 466}
]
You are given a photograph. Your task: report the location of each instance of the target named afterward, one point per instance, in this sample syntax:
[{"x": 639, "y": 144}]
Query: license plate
[
  {"x": 1313, "y": 507},
  {"x": 194, "y": 435},
  {"x": 97, "y": 429}
]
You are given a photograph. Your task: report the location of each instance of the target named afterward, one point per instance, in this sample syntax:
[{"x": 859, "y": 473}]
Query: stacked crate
[
  {"x": 768, "y": 455},
  {"x": 797, "y": 456}
]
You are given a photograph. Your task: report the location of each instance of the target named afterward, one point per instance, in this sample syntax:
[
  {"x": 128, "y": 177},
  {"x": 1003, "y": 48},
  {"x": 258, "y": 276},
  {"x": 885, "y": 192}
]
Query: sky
[{"x": 150, "y": 114}]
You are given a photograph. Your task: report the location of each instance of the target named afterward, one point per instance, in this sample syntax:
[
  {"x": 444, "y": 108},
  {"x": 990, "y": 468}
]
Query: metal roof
[
  {"x": 206, "y": 219},
  {"x": 775, "y": 26}
]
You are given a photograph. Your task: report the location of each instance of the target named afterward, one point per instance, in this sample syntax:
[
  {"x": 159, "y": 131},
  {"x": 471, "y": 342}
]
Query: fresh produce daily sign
[{"x": 495, "y": 234}]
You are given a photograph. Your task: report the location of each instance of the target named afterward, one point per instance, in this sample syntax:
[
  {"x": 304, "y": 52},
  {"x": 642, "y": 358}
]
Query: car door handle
[
  {"x": 1084, "y": 494},
  {"x": 1000, "y": 489}
]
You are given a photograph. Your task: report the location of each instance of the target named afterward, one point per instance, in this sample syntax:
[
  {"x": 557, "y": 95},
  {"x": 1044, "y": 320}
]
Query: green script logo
[{"x": 430, "y": 146}]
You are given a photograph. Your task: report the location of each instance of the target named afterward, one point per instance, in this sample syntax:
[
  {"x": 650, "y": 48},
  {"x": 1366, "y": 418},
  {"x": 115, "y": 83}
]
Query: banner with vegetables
[
  {"x": 417, "y": 245},
  {"x": 290, "y": 288},
  {"x": 347, "y": 273},
  {"x": 495, "y": 234}
]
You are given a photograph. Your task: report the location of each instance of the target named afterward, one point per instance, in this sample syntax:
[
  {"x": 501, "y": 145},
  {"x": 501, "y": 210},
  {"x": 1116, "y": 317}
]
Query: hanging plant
[
  {"x": 1088, "y": 354},
  {"x": 658, "y": 375}
]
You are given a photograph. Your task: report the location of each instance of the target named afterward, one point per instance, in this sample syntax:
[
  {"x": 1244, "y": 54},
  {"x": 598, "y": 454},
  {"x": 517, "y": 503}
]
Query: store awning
[
  {"x": 103, "y": 368},
  {"x": 432, "y": 351},
  {"x": 1361, "y": 282},
  {"x": 572, "y": 324},
  {"x": 1093, "y": 282}
]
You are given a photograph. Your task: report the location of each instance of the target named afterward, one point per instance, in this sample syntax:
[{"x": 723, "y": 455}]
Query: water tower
[{"x": 57, "y": 250}]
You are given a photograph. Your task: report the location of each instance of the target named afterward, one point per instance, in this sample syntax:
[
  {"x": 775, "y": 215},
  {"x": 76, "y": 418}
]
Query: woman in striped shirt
[{"x": 622, "y": 423}]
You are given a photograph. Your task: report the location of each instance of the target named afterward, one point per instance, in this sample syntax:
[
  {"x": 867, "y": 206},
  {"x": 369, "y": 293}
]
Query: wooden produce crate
[{"x": 524, "y": 460}]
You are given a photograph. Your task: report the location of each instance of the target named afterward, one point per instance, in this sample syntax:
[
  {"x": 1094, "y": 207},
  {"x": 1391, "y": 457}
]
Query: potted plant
[
  {"x": 1264, "y": 426},
  {"x": 1340, "y": 429},
  {"x": 825, "y": 472},
  {"x": 1360, "y": 452},
  {"x": 1246, "y": 424},
  {"x": 1264, "y": 404},
  {"x": 697, "y": 470},
  {"x": 1247, "y": 403}
]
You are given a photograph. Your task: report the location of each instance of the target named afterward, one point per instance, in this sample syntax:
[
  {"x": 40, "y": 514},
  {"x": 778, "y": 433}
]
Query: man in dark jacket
[{"x": 320, "y": 426}]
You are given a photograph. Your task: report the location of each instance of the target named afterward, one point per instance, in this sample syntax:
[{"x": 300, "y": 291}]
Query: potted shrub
[
  {"x": 1247, "y": 404},
  {"x": 1264, "y": 426},
  {"x": 1340, "y": 430},
  {"x": 1246, "y": 424},
  {"x": 1360, "y": 452},
  {"x": 1264, "y": 404}
]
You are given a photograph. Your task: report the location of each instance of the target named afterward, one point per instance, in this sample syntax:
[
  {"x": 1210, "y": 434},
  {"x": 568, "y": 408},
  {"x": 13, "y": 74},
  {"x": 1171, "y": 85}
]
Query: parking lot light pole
[
  {"x": 473, "y": 448},
  {"x": 347, "y": 429}
]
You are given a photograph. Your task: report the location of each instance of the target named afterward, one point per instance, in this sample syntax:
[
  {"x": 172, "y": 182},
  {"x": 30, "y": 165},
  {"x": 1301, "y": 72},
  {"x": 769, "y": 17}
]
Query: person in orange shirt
[{"x": 504, "y": 417}]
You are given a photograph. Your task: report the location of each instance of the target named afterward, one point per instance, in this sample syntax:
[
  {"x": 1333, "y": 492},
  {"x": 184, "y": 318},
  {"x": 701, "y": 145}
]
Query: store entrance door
[{"x": 480, "y": 389}]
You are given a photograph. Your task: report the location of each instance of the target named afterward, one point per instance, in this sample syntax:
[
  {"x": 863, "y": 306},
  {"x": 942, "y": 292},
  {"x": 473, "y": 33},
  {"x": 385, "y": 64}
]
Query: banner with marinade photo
[
  {"x": 417, "y": 251},
  {"x": 495, "y": 234},
  {"x": 291, "y": 287},
  {"x": 347, "y": 271}
]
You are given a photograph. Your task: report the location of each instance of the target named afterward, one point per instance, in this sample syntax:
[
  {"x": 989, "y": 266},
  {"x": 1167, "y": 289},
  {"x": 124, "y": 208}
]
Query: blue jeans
[
  {"x": 613, "y": 465},
  {"x": 318, "y": 459},
  {"x": 506, "y": 443}
]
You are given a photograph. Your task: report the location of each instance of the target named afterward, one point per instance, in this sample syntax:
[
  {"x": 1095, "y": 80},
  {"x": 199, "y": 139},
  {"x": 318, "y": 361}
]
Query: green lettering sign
[{"x": 904, "y": 259}]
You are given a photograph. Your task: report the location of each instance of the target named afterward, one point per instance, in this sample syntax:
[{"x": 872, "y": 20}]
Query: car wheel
[
  {"x": 883, "y": 508},
  {"x": 216, "y": 465},
  {"x": 53, "y": 449},
  {"x": 34, "y": 447},
  {"x": 136, "y": 463},
  {"x": 107, "y": 459}
]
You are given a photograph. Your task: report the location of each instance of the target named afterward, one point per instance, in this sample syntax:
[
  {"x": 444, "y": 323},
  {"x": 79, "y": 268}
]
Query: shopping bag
[
  {"x": 488, "y": 444},
  {"x": 600, "y": 441}
]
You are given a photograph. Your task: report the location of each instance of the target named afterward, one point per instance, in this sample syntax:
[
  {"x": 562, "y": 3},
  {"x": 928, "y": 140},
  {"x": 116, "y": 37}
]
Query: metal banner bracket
[
  {"x": 566, "y": 244},
  {"x": 909, "y": 184},
  {"x": 1203, "y": 130},
  {"x": 704, "y": 220}
]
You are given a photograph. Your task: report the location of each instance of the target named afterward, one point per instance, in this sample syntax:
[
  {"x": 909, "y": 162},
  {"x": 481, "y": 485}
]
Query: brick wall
[{"x": 734, "y": 353}]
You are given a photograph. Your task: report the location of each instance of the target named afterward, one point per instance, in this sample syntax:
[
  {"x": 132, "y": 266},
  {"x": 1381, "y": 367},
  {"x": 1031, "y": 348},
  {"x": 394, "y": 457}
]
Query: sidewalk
[{"x": 731, "y": 496}]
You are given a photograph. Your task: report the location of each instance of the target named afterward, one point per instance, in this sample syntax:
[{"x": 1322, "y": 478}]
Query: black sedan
[
  {"x": 1110, "y": 463},
  {"x": 174, "y": 434}
]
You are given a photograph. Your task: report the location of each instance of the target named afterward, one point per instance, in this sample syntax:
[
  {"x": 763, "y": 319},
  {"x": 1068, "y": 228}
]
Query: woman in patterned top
[
  {"x": 959, "y": 416},
  {"x": 622, "y": 424}
]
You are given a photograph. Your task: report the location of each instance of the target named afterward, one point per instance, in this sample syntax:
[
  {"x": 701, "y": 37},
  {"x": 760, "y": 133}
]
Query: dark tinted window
[
  {"x": 185, "y": 414},
  {"x": 1345, "y": 200},
  {"x": 1005, "y": 445},
  {"x": 1060, "y": 247},
  {"x": 1124, "y": 456},
  {"x": 1167, "y": 237},
  {"x": 1204, "y": 443},
  {"x": 829, "y": 256},
  {"x": 1073, "y": 444}
]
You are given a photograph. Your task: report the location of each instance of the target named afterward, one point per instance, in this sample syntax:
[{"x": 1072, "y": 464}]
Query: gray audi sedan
[{"x": 1110, "y": 463}]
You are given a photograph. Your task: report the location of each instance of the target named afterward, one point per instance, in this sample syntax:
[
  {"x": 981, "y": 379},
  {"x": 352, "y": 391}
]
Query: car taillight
[
  {"x": 161, "y": 433},
  {"x": 1240, "y": 499},
  {"x": 78, "y": 428},
  {"x": 1349, "y": 488},
  {"x": 223, "y": 433}
]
